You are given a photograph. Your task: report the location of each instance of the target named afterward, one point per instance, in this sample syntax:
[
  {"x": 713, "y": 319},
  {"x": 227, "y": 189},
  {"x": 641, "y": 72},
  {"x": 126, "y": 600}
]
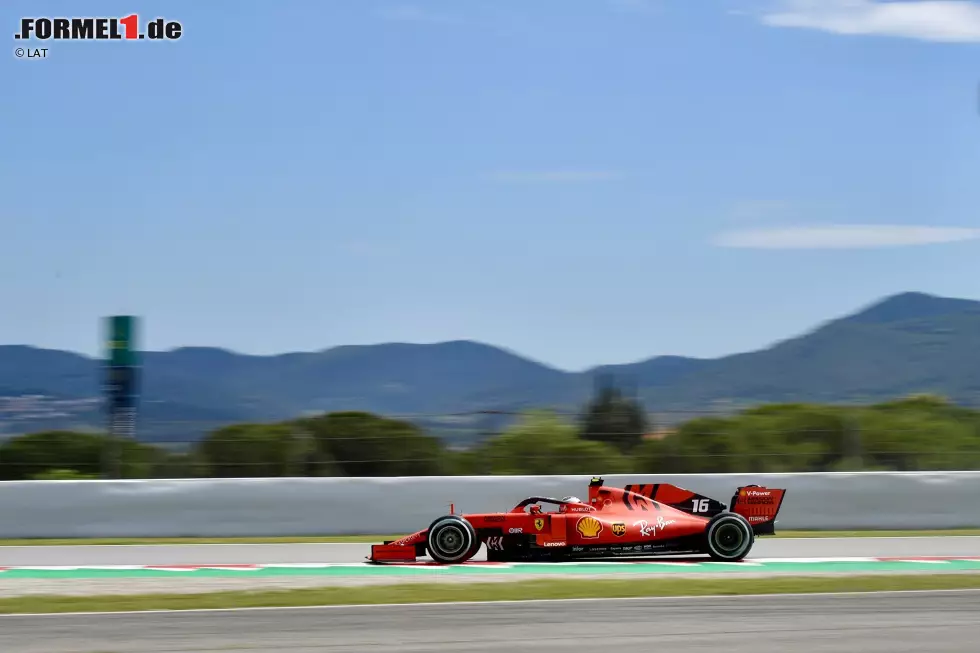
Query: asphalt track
[
  {"x": 937, "y": 622},
  {"x": 232, "y": 554},
  {"x": 55, "y": 570}
]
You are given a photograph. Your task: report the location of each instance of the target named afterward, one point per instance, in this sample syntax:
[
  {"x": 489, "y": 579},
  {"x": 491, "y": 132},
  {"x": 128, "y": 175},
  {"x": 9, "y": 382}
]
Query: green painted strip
[{"x": 548, "y": 570}]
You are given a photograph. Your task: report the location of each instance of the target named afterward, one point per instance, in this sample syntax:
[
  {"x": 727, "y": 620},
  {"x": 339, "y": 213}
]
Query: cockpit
[{"x": 564, "y": 505}]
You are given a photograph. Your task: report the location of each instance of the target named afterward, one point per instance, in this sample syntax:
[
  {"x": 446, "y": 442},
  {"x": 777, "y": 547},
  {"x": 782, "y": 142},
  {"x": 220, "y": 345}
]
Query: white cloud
[
  {"x": 954, "y": 21},
  {"x": 558, "y": 176},
  {"x": 412, "y": 13},
  {"x": 844, "y": 237}
]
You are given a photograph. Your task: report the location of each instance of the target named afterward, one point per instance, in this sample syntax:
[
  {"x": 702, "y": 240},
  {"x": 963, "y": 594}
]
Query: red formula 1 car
[{"x": 635, "y": 521}]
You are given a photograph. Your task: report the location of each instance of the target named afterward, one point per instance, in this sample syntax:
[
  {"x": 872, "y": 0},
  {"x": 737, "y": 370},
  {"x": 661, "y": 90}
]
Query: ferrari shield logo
[
  {"x": 539, "y": 523},
  {"x": 619, "y": 529}
]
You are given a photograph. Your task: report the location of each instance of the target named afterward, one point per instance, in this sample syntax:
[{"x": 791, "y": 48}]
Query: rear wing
[{"x": 760, "y": 505}]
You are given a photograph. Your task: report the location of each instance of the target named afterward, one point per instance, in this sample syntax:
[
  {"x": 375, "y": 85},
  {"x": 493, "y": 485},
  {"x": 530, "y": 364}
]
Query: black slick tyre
[
  {"x": 728, "y": 537},
  {"x": 451, "y": 540}
]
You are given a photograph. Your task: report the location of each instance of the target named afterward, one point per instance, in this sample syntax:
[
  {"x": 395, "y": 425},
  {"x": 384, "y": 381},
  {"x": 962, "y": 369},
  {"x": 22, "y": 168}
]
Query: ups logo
[
  {"x": 619, "y": 529},
  {"x": 589, "y": 527}
]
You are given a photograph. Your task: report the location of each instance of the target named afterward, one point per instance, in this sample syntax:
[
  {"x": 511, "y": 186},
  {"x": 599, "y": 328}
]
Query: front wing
[{"x": 407, "y": 549}]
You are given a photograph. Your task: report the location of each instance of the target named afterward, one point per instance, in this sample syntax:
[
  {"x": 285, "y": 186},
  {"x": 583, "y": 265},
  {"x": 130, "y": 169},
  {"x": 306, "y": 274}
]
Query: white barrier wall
[{"x": 337, "y": 506}]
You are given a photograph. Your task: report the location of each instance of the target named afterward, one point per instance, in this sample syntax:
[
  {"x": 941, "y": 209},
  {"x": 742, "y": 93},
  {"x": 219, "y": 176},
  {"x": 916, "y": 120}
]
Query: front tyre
[
  {"x": 451, "y": 540},
  {"x": 729, "y": 537}
]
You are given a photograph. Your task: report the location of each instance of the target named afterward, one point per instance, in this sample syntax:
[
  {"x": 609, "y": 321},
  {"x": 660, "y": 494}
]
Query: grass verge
[
  {"x": 445, "y": 593},
  {"x": 360, "y": 539}
]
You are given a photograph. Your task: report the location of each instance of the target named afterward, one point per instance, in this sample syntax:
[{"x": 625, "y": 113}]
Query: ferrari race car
[{"x": 635, "y": 521}]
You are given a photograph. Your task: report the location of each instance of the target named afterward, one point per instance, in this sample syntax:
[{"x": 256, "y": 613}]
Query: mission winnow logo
[{"x": 98, "y": 29}]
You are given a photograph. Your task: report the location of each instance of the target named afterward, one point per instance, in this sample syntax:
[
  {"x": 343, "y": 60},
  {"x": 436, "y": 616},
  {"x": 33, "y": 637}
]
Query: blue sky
[{"x": 582, "y": 181}]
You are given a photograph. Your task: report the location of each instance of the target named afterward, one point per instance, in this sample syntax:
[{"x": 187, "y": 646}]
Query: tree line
[{"x": 611, "y": 435}]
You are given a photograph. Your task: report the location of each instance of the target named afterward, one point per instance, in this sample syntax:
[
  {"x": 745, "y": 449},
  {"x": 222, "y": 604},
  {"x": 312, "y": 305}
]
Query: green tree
[
  {"x": 63, "y": 475},
  {"x": 28, "y": 456},
  {"x": 177, "y": 464},
  {"x": 363, "y": 444},
  {"x": 541, "y": 443},
  {"x": 258, "y": 450},
  {"x": 796, "y": 437},
  {"x": 914, "y": 434},
  {"x": 701, "y": 445},
  {"x": 614, "y": 419},
  {"x": 913, "y": 440}
]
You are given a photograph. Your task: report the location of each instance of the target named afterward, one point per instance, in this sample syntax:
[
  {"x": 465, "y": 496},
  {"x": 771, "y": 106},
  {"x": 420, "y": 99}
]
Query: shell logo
[
  {"x": 589, "y": 527},
  {"x": 741, "y": 493}
]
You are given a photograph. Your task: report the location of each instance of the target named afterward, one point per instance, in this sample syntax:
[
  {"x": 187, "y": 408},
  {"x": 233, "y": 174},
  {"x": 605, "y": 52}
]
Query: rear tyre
[
  {"x": 452, "y": 540},
  {"x": 728, "y": 537}
]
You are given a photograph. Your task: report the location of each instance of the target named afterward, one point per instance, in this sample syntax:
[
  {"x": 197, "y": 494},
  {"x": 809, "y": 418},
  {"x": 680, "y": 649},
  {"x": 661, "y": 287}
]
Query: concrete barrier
[{"x": 339, "y": 506}]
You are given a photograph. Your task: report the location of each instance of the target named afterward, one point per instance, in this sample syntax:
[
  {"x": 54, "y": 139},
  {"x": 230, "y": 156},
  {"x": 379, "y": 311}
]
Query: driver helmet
[{"x": 564, "y": 507}]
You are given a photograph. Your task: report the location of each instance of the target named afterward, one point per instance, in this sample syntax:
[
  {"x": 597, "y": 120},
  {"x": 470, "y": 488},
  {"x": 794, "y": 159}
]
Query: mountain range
[{"x": 907, "y": 343}]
